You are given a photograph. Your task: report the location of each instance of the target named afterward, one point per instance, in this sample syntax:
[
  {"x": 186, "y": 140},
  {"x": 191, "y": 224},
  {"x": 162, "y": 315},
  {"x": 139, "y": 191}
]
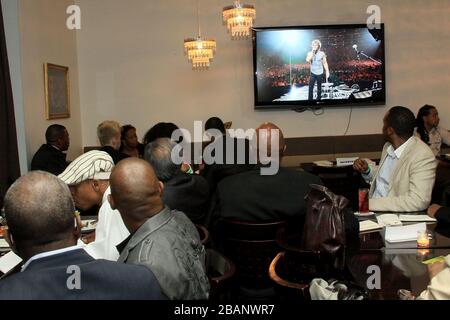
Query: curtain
[{"x": 9, "y": 156}]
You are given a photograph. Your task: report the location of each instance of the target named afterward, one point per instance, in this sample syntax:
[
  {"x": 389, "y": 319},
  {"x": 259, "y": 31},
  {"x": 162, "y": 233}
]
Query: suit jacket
[
  {"x": 188, "y": 193},
  {"x": 411, "y": 182},
  {"x": 49, "y": 159},
  {"x": 250, "y": 196},
  {"x": 115, "y": 154},
  {"x": 47, "y": 278}
]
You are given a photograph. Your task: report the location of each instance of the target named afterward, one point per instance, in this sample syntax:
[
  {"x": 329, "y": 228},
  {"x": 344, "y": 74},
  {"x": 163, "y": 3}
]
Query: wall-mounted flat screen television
[{"x": 308, "y": 66}]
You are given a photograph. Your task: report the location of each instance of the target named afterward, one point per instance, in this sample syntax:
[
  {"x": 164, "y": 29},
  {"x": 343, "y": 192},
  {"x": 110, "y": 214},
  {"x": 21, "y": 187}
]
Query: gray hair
[
  {"x": 159, "y": 154},
  {"x": 39, "y": 209}
]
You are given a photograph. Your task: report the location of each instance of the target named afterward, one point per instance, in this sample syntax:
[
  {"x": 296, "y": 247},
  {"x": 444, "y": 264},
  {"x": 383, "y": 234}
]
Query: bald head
[
  {"x": 39, "y": 210},
  {"x": 270, "y": 138},
  {"x": 135, "y": 189}
]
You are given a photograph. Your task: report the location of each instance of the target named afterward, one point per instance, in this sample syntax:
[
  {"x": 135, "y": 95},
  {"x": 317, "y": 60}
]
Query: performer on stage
[{"x": 318, "y": 61}]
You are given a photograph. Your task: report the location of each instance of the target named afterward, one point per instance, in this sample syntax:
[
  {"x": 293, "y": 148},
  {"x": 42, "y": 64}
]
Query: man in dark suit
[
  {"x": 40, "y": 215},
  {"x": 255, "y": 196},
  {"x": 51, "y": 157},
  {"x": 185, "y": 192}
]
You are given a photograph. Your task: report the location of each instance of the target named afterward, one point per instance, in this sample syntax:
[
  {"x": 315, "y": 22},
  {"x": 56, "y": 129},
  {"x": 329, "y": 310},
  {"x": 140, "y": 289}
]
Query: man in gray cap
[{"x": 88, "y": 180}]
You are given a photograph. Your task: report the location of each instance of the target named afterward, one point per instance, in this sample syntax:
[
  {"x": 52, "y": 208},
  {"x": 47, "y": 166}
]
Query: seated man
[
  {"x": 252, "y": 196},
  {"x": 185, "y": 192},
  {"x": 43, "y": 231},
  {"x": 405, "y": 177},
  {"x": 109, "y": 135},
  {"x": 50, "y": 156},
  {"x": 88, "y": 179},
  {"x": 225, "y": 162},
  {"x": 161, "y": 239}
]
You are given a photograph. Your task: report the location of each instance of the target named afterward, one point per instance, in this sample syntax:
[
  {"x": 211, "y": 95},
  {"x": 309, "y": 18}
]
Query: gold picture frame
[{"x": 57, "y": 91}]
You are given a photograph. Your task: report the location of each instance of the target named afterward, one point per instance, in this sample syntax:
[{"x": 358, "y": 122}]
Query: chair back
[
  {"x": 220, "y": 271},
  {"x": 251, "y": 246},
  {"x": 293, "y": 271},
  {"x": 204, "y": 234}
]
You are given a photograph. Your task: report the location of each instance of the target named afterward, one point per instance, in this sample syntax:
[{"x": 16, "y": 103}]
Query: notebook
[
  {"x": 368, "y": 225},
  {"x": 404, "y": 233},
  {"x": 416, "y": 218},
  {"x": 389, "y": 220}
]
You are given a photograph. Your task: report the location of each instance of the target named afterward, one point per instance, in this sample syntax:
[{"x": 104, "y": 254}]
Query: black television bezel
[{"x": 281, "y": 105}]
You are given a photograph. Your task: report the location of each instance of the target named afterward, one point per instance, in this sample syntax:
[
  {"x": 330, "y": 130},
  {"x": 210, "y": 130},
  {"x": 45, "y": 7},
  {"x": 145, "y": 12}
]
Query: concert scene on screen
[{"x": 319, "y": 64}]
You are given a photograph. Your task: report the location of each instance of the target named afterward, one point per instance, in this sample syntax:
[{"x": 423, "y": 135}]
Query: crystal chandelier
[
  {"x": 239, "y": 19},
  {"x": 199, "y": 51}
]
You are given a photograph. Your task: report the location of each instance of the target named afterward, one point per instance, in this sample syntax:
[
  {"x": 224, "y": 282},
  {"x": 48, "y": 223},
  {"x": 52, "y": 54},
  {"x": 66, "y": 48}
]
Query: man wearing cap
[
  {"x": 43, "y": 231},
  {"x": 88, "y": 180}
]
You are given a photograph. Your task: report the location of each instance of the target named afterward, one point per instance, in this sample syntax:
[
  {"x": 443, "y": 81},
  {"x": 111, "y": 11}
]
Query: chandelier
[
  {"x": 199, "y": 51},
  {"x": 239, "y": 19}
]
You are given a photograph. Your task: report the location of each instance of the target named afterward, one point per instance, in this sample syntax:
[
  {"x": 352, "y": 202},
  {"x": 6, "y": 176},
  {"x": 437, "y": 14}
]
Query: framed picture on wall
[{"x": 57, "y": 91}]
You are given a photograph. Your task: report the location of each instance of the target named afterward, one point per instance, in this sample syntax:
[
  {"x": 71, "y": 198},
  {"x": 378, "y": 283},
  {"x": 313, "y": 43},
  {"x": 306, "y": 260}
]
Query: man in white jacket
[
  {"x": 88, "y": 180},
  {"x": 404, "y": 179}
]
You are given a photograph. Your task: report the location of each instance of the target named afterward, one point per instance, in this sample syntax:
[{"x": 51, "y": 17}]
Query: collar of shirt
[
  {"x": 106, "y": 194},
  {"x": 55, "y": 147},
  {"x": 48, "y": 254},
  {"x": 397, "y": 153}
]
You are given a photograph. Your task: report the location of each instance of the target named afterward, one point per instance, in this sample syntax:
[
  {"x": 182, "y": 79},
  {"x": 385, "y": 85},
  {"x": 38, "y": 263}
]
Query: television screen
[{"x": 318, "y": 66}]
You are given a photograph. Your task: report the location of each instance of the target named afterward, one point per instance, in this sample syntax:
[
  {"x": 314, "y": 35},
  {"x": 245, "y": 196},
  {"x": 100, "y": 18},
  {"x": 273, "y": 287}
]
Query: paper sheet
[
  {"x": 404, "y": 233},
  {"x": 9, "y": 261}
]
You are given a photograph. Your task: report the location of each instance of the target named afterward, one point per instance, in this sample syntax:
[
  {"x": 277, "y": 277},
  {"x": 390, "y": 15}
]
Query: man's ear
[
  {"x": 95, "y": 185},
  {"x": 9, "y": 239},
  {"x": 390, "y": 131},
  {"x": 111, "y": 202},
  {"x": 161, "y": 188}
]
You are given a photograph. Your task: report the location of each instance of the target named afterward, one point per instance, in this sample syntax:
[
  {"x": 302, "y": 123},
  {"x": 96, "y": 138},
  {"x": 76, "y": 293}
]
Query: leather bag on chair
[{"x": 324, "y": 228}]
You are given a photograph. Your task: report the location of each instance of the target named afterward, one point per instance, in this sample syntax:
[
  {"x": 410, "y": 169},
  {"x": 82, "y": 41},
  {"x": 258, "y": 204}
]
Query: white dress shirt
[{"x": 383, "y": 179}]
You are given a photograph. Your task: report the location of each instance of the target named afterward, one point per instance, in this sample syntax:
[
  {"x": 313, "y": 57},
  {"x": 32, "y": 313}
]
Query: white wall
[
  {"x": 12, "y": 34},
  {"x": 132, "y": 66},
  {"x": 45, "y": 38}
]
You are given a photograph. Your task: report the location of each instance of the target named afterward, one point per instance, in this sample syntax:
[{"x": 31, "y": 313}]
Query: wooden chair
[
  {"x": 204, "y": 234},
  {"x": 251, "y": 246},
  {"x": 220, "y": 271},
  {"x": 293, "y": 271}
]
